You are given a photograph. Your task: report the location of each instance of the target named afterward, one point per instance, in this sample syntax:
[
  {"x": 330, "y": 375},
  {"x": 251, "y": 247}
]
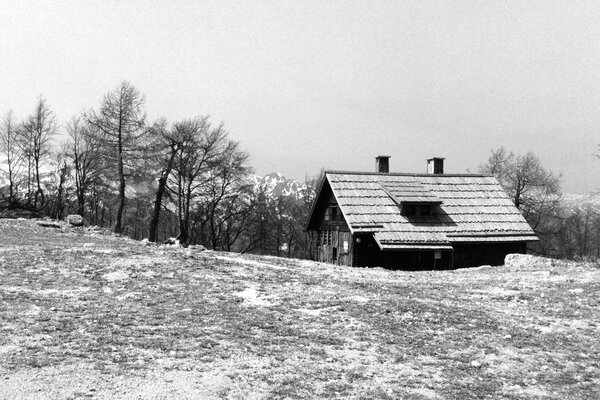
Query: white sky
[{"x": 311, "y": 84}]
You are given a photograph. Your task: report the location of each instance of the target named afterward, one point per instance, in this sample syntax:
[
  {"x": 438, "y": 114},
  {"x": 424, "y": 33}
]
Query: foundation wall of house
[
  {"x": 476, "y": 254},
  {"x": 366, "y": 253}
]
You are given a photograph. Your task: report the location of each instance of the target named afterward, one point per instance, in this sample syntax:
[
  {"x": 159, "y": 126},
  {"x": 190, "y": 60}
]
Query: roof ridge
[{"x": 407, "y": 174}]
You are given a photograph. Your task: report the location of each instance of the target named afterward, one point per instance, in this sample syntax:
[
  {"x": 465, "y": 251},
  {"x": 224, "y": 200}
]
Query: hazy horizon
[{"x": 311, "y": 85}]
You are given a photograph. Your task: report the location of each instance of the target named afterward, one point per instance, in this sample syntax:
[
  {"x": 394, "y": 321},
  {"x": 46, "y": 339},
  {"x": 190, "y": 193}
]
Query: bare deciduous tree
[
  {"x": 197, "y": 156},
  {"x": 524, "y": 179},
  {"x": 10, "y": 152},
  {"x": 533, "y": 189},
  {"x": 36, "y": 134},
  {"x": 85, "y": 159},
  {"x": 118, "y": 130},
  {"x": 223, "y": 198}
]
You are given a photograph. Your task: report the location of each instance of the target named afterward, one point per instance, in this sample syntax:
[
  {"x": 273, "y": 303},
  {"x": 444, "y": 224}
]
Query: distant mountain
[
  {"x": 573, "y": 202},
  {"x": 276, "y": 185}
]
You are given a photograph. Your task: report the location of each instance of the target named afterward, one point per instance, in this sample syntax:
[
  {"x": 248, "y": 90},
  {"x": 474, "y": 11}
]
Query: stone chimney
[
  {"x": 382, "y": 164},
  {"x": 435, "y": 166}
]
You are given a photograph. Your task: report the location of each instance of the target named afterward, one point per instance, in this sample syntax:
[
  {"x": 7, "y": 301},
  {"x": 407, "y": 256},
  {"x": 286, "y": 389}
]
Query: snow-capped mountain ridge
[{"x": 276, "y": 185}]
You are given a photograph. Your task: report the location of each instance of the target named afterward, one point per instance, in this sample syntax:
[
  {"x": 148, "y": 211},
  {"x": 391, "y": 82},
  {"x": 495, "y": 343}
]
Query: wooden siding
[{"x": 335, "y": 247}]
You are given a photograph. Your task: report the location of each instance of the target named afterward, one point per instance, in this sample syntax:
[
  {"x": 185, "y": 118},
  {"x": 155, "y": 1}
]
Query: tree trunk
[
  {"x": 183, "y": 232},
  {"x": 162, "y": 184},
  {"x": 39, "y": 192},
  {"x": 118, "y": 226}
]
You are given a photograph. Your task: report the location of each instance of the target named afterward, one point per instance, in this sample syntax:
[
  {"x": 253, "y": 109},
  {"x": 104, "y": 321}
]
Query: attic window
[{"x": 332, "y": 213}]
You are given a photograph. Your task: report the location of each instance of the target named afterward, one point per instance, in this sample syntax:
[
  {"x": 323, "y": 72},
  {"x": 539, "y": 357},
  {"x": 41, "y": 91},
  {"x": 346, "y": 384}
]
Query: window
[
  {"x": 424, "y": 209},
  {"x": 334, "y": 212},
  {"x": 409, "y": 209},
  {"x": 417, "y": 210},
  {"x": 325, "y": 238}
]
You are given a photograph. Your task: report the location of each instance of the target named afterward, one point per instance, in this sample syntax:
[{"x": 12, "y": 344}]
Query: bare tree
[
  {"x": 524, "y": 179},
  {"x": 85, "y": 159},
  {"x": 36, "y": 140},
  {"x": 198, "y": 153},
  {"x": 534, "y": 190},
  {"x": 224, "y": 195},
  {"x": 9, "y": 150},
  {"x": 118, "y": 130},
  {"x": 61, "y": 173}
]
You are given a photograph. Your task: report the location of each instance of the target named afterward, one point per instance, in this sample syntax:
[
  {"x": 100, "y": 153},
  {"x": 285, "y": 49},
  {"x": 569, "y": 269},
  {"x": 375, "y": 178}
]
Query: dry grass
[{"x": 86, "y": 315}]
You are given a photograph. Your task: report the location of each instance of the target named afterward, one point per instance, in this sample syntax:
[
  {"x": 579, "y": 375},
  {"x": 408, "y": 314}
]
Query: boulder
[
  {"x": 528, "y": 262},
  {"x": 75, "y": 220}
]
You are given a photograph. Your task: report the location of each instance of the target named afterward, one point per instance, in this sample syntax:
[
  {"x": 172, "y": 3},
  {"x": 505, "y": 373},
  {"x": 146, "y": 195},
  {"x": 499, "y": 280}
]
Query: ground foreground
[{"x": 86, "y": 315}]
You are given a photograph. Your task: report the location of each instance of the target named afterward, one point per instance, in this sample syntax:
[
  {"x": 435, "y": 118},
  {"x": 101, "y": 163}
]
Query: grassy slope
[{"x": 89, "y": 316}]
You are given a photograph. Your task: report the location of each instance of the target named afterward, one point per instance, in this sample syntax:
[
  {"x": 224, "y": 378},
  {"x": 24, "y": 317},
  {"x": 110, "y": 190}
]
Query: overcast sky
[{"x": 305, "y": 85}]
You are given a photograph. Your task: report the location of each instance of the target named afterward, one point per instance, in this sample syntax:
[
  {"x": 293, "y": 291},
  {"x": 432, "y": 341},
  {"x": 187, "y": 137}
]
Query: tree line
[{"x": 148, "y": 179}]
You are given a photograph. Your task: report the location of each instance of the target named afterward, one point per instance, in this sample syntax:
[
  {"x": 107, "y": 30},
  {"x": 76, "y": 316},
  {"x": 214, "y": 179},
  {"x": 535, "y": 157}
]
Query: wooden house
[{"x": 415, "y": 221}]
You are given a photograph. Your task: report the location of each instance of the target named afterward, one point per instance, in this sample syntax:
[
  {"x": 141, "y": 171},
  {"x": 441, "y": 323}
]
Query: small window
[
  {"x": 409, "y": 209},
  {"x": 326, "y": 238},
  {"x": 424, "y": 209},
  {"x": 334, "y": 213}
]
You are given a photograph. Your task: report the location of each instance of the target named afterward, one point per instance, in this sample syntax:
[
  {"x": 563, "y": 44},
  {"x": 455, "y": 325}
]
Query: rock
[
  {"x": 529, "y": 262},
  {"x": 172, "y": 241},
  {"x": 49, "y": 224},
  {"x": 475, "y": 364},
  {"x": 75, "y": 220}
]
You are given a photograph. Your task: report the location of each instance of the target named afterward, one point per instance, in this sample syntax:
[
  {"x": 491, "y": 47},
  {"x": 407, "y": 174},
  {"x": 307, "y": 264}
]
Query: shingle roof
[{"x": 471, "y": 208}]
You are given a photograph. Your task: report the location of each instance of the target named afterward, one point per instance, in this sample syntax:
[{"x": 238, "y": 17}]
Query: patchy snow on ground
[
  {"x": 116, "y": 276},
  {"x": 91, "y": 315},
  {"x": 252, "y": 297},
  {"x": 248, "y": 262}
]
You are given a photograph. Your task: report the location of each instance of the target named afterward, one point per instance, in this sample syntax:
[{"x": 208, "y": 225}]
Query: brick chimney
[
  {"x": 435, "y": 165},
  {"x": 382, "y": 164}
]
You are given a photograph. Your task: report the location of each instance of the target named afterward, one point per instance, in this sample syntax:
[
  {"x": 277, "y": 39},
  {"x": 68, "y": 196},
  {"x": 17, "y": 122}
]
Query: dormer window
[{"x": 416, "y": 210}]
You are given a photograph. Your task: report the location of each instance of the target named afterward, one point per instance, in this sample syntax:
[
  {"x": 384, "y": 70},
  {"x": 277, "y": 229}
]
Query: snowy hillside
[{"x": 87, "y": 315}]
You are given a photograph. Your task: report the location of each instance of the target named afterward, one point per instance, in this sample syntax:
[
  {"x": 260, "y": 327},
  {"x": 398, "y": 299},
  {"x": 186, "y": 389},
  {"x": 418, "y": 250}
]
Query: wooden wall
[
  {"x": 335, "y": 240},
  {"x": 335, "y": 246}
]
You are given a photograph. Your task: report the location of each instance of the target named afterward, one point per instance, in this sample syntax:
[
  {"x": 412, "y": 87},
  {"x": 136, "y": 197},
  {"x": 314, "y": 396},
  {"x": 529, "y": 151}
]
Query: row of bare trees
[{"x": 157, "y": 180}]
